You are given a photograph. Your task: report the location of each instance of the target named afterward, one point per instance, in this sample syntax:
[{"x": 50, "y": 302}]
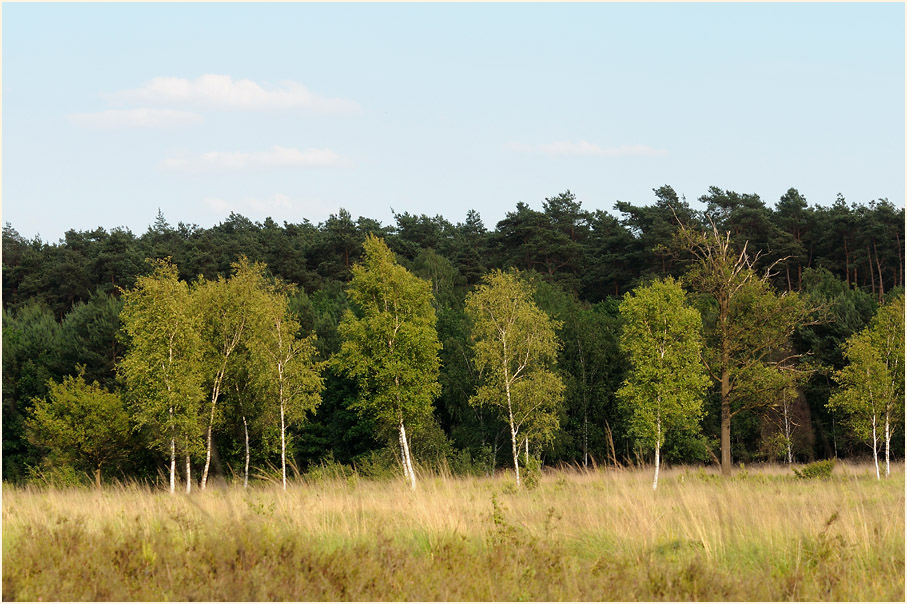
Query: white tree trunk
[
  {"x": 887, "y": 446},
  {"x": 245, "y": 482},
  {"x": 513, "y": 429},
  {"x": 526, "y": 441},
  {"x": 516, "y": 455},
  {"x": 657, "y": 447},
  {"x": 787, "y": 434},
  {"x": 208, "y": 445},
  {"x": 208, "y": 450},
  {"x": 188, "y": 475},
  {"x": 657, "y": 464},
  {"x": 215, "y": 393},
  {"x": 875, "y": 447},
  {"x": 172, "y": 465},
  {"x": 407, "y": 460},
  {"x": 402, "y": 451},
  {"x": 283, "y": 447}
]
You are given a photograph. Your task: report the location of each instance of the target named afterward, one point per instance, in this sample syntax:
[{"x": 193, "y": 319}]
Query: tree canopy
[{"x": 90, "y": 300}]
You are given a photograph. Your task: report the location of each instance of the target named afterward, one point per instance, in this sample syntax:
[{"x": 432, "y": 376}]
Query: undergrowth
[{"x": 576, "y": 536}]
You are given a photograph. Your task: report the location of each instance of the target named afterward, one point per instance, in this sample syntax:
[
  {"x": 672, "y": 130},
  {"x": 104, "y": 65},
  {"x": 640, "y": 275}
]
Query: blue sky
[{"x": 111, "y": 111}]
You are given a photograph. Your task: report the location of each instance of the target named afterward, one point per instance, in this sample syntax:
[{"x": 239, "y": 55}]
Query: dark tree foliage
[{"x": 61, "y": 306}]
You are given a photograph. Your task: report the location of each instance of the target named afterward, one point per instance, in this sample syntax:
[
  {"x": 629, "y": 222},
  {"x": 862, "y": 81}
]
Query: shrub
[
  {"x": 817, "y": 469},
  {"x": 379, "y": 463},
  {"x": 532, "y": 473},
  {"x": 56, "y": 476}
]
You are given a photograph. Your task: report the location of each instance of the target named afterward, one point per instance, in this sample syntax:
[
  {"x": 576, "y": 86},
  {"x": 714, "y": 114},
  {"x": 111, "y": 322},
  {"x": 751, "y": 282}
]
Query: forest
[{"x": 773, "y": 308}]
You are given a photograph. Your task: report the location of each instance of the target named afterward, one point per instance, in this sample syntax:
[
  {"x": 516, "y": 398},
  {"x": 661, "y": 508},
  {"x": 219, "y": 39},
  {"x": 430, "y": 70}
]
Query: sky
[{"x": 114, "y": 111}]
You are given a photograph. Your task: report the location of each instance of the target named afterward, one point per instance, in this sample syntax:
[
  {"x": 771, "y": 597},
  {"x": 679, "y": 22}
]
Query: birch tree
[
  {"x": 225, "y": 307},
  {"x": 286, "y": 370},
  {"x": 666, "y": 383},
  {"x": 390, "y": 345},
  {"x": 244, "y": 400},
  {"x": 515, "y": 352},
  {"x": 162, "y": 368},
  {"x": 872, "y": 383}
]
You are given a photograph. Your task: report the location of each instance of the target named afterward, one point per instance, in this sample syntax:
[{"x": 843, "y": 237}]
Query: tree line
[{"x": 280, "y": 322}]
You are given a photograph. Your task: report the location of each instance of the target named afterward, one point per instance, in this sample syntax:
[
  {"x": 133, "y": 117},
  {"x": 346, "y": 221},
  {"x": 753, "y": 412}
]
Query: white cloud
[
  {"x": 279, "y": 206},
  {"x": 222, "y": 91},
  {"x": 143, "y": 118},
  {"x": 587, "y": 149},
  {"x": 236, "y": 160}
]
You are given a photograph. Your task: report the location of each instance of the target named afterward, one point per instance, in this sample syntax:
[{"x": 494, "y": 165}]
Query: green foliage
[
  {"x": 284, "y": 365},
  {"x": 81, "y": 423},
  {"x": 57, "y": 475},
  {"x": 515, "y": 351},
  {"x": 31, "y": 360},
  {"x": 666, "y": 383},
  {"x": 390, "y": 345},
  {"x": 871, "y": 391},
  {"x": 89, "y": 338},
  {"x": 817, "y": 469},
  {"x": 163, "y": 368},
  {"x": 61, "y": 304},
  {"x": 748, "y": 326},
  {"x": 592, "y": 366},
  {"x": 532, "y": 472},
  {"x": 284, "y": 368}
]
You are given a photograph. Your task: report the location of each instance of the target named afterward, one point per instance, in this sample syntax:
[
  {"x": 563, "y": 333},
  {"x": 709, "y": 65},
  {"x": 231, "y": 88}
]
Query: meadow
[{"x": 763, "y": 534}]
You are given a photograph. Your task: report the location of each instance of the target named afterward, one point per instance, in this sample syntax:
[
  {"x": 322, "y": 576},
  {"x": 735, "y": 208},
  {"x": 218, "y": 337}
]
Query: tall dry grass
[{"x": 603, "y": 535}]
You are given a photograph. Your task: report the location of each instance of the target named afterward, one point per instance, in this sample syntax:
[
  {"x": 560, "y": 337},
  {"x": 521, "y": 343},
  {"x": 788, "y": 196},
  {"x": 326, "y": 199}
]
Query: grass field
[{"x": 604, "y": 535}]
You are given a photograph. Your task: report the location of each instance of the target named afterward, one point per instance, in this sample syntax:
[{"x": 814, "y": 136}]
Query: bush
[
  {"x": 532, "y": 473},
  {"x": 328, "y": 469},
  {"x": 57, "y": 476},
  {"x": 464, "y": 462},
  {"x": 817, "y": 469},
  {"x": 380, "y": 463}
]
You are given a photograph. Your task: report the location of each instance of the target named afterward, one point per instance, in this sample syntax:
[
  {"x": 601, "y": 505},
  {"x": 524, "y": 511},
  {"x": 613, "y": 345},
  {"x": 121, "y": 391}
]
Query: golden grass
[{"x": 761, "y": 535}]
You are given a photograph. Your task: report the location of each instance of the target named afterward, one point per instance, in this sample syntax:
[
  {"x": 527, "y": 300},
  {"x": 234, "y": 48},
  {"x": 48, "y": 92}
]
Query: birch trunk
[
  {"x": 245, "y": 482},
  {"x": 875, "y": 447},
  {"x": 526, "y": 440},
  {"x": 787, "y": 434},
  {"x": 513, "y": 430},
  {"x": 208, "y": 442},
  {"x": 188, "y": 475},
  {"x": 516, "y": 455},
  {"x": 657, "y": 464},
  {"x": 887, "y": 446},
  {"x": 97, "y": 476},
  {"x": 407, "y": 460},
  {"x": 172, "y": 465},
  {"x": 283, "y": 446},
  {"x": 402, "y": 451},
  {"x": 215, "y": 393}
]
